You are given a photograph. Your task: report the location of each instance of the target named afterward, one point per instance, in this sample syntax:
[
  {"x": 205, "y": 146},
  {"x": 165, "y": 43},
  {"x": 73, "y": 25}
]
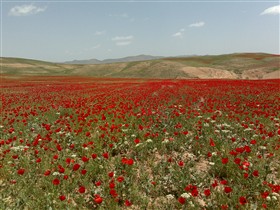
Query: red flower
[
  {"x": 120, "y": 179},
  {"x": 224, "y": 160},
  {"x": 76, "y": 167},
  {"x": 21, "y": 171},
  {"x": 56, "y": 182},
  {"x": 98, "y": 199},
  {"x": 97, "y": 183},
  {"x": 265, "y": 194},
  {"x": 215, "y": 184},
  {"x": 83, "y": 172},
  {"x": 62, "y": 197},
  {"x": 227, "y": 189},
  {"x": 237, "y": 161},
  {"x": 207, "y": 192},
  {"x": 223, "y": 182},
  {"x": 61, "y": 169},
  {"x": 111, "y": 174},
  {"x": 181, "y": 163},
  {"x": 82, "y": 189},
  {"x": 38, "y": 160},
  {"x": 85, "y": 159},
  {"x": 127, "y": 203},
  {"x": 256, "y": 173},
  {"x": 212, "y": 143},
  {"x": 106, "y": 155},
  {"x": 112, "y": 184},
  {"x": 253, "y": 142},
  {"x": 94, "y": 156},
  {"x": 242, "y": 200},
  {"x": 137, "y": 141},
  {"x": 224, "y": 207},
  {"x": 130, "y": 162},
  {"x": 194, "y": 192},
  {"x": 113, "y": 193},
  {"x": 182, "y": 200},
  {"x": 47, "y": 172}
]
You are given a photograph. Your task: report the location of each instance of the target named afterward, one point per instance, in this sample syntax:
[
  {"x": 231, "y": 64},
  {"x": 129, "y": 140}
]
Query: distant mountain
[
  {"x": 89, "y": 61},
  {"x": 117, "y": 60}
]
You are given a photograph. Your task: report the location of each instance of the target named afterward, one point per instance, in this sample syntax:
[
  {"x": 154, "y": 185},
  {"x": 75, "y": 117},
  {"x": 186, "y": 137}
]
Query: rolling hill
[{"x": 229, "y": 66}]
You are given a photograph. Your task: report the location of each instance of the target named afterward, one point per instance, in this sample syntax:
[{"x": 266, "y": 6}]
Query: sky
[{"x": 60, "y": 31}]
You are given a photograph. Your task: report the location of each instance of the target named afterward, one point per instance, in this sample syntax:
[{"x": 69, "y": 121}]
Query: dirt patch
[
  {"x": 208, "y": 73},
  {"x": 272, "y": 75}
]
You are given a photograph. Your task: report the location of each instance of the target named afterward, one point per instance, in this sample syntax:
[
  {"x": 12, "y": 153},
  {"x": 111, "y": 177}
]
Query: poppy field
[{"x": 85, "y": 143}]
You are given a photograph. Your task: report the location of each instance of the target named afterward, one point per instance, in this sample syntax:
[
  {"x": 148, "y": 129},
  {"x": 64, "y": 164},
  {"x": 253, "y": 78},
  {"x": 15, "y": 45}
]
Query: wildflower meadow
[{"x": 85, "y": 143}]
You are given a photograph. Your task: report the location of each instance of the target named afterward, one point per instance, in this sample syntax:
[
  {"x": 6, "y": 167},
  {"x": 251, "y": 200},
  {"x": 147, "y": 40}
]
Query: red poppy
[
  {"x": 242, "y": 200},
  {"x": 21, "y": 171},
  {"x": 227, "y": 189},
  {"x": 111, "y": 174},
  {"x": 224, "y": 160},
  {"x": 113, "y": 193},
  {"x": 83, "y": 172},
  {"x": 127, "y": 203},
  {"x": 47, "y": 172},
  {"x": 212, "y": 143},
  {"x": 98, "y": 183},
  {"x": 106, "y": 155},
  {"x": 62, "y": 197},
  {"x": 137, "y": 141},
  {"x": 82, "y": 189},
  {"x": 181, "y": 163},
  {"x": 255, "y": 173},
  {"x": 207, "y": 192},
  {"x": 182, "y": 200},
  {"x": 94, "y": 156},
  {"x": 56, "y": 182},
  {"x": 120, "y": 179},
  {"x": 85, "y": 159},
  {"x": 98, "y": 199},
  {"x": 76, "y": 167}
]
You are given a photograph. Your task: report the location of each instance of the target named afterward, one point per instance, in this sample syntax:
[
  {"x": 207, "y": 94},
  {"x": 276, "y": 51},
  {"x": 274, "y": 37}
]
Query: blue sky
[{"x": 66, "y": 30}]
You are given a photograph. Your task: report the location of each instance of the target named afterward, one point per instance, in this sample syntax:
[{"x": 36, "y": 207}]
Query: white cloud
[
  {"x": 99, "y": 33},
  {"x": 123, "y": 43},
  {"x": 123, "y": 40},
  {"x": 197, "y": 24},
  {"x": 272, "y": 11},
  {"x": 178, "y": 34},
  {"x": 25, "y": 10}
]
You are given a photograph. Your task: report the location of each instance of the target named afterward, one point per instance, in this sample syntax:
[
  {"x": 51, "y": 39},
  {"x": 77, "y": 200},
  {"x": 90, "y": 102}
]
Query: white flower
[
  {"x": 55, "y": 173},
  {"x": 170, "y": 197},
  {"x": 165, "y": 141},
  {"x": 206, "y": 125},
  {"x": 149, "y": 141},
  {"x": 211, "y": 163},
  {"x": 262, "y": 147},
  {"x": 185, "y": 195}
]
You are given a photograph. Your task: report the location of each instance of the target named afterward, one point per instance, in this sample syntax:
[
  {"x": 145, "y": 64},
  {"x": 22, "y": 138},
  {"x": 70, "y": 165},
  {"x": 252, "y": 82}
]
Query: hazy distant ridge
[{"x": 117, "y": 60}]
